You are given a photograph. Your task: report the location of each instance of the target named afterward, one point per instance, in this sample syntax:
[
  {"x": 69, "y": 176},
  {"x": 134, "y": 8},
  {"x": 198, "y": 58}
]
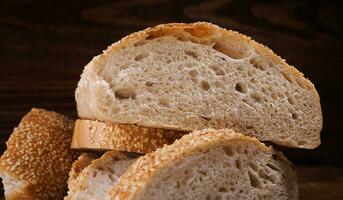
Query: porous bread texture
[
  {"x": 89, "y": 134},
  {"x": 209, "y": 164},
  {"x": 38, "y": 157},
  {"x": 195, "y": 76},
  {"x": 82, "y": 162},
  {"x": 96, "y": 179}
]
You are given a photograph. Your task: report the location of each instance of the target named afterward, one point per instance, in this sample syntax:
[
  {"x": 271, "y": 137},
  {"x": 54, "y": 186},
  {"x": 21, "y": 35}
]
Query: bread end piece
[{"x": 38, "y": 158}]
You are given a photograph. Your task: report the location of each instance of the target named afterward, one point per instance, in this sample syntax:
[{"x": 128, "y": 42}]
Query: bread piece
[
  {"x": 89, "y": 134},
  {"x": 95, "y": 180},
  {"x": 81, "y": 163},
  {"x": 196, "y": 76},
  {"x": 209, "y": 164},
  {"x": 38, "y": 158}
]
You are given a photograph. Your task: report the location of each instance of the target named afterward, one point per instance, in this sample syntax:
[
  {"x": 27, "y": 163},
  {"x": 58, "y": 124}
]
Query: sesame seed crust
[
  {"x": 38, "y": 152},
  {"x": 139, "y": 174},
  {"x": 89, "y": 134}
]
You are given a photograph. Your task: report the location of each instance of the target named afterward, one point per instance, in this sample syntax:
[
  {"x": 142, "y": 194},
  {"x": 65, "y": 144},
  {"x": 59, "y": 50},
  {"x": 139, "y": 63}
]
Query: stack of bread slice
[{"x": 195, "y": 101}]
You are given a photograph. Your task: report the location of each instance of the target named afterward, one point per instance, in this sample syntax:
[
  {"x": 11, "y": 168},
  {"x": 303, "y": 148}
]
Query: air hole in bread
[
  {"x": 274, "y": 95},
  {"x": 153, "y": 34},
  {"x": 273, "y": 167},
  {"x": 263, "y": 174},
  {"x": 229, "y": 50},
  {"x": 254, "y": 180},
  {"x": 140, "y": 43},
  {"x": 205, "y": 117},
  {"x": 149, "y": 83},
  {"x": 229, "y": 150},
  {"x": 256, "y": 64},
  {"x": 256, "y": 97},
  {"x": 240, "y": 87},
  {"x": 95, "y": 173},
  {"x": 217, "y": 70},
  {"x": 222, "y": 189},
  {"x": 125, "y": 93},
  {"x": 141, "y": 56},
  {"x": 191, "y": 53},
  {"x": 164, "y": 102},
  {"x": 238, "y": 164},
  {"x": 193, "y": 74},
  {"x": 253, "y": 80},
  {"x": 291, "y": 100},
  {"x": 295, "y": 116},
  {"x": 205, "y": 85},
  {"x": 253, "y": 166},
  {"x": 217, "y": 197},
  {"x": 181, "y": 39}
]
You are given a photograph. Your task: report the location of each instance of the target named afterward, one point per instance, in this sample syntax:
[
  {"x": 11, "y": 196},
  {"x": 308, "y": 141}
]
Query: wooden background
[{"x": 44, "y": 46}]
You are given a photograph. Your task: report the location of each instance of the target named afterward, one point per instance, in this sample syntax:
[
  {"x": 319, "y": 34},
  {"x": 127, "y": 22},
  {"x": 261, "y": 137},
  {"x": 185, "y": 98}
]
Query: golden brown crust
[
  {"x": 139, "y": 173},
  {"x": 89, "y": 134},
  {"x": 38, "y": 152}
]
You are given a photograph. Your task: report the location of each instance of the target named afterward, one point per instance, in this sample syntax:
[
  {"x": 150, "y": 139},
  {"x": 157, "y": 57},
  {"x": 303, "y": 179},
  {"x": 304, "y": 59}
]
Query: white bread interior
[
  {"x": 210, "y": 164},
  {"x": 194, "y": 76}
]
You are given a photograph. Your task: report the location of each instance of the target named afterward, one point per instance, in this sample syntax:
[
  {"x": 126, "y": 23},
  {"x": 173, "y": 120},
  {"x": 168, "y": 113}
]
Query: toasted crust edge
[{"x": 89, "y": 134}]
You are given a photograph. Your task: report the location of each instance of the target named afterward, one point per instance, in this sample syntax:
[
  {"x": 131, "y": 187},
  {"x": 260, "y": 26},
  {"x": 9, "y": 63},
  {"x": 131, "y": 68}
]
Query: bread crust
[
  {"x": 38, "y": 155},
  {"x": 146, "y": 167},
  {"x": 89, "y": 134},
  {"x": 203, "y": 33}
]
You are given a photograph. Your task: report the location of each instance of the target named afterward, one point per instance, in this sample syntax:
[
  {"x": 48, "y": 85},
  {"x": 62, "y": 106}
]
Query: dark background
[{"x": 44, "y": 46}]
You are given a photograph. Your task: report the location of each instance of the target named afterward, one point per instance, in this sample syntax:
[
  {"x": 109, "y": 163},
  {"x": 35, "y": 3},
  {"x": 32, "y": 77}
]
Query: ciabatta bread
[
  {"x": 194, "y": 76},
  {"x": 89, "y": 134},
  {"x": 210, "y": 164},
  {"x": 98, "y": 177},
  {"x": 38, "y": 157}
]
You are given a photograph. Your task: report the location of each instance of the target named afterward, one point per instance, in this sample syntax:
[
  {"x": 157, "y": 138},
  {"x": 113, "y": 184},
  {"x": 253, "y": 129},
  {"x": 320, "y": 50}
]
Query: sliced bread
[
  {"x": 209, "y": 164},
  {"x": 195, "y": 76},
  {"x": 89, "y": 134},
  {"x": 78, "y": 166},
  {"x": 38, "y": 157},
  {"x": 97, "y": 176}
]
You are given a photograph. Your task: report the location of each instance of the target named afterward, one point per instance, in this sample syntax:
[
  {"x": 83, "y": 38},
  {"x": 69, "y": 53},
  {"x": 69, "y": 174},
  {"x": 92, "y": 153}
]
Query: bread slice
[
  {"x": 98, "y": 177},
  {"x": 78, "y": 166},
  {"x": 209, "y": 164},
  {"x": 89, "y": 134},
  {"x": 38, "y": 158},
  {"x": 195, "y": 76}
]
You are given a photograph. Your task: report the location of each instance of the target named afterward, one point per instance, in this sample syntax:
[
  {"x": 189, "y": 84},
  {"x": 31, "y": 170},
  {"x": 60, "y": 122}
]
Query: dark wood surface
[{"x": 44, "y": 46}]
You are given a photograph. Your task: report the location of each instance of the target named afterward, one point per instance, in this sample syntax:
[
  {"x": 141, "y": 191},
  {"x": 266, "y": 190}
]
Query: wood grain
[{"x": 45, "y": 45}]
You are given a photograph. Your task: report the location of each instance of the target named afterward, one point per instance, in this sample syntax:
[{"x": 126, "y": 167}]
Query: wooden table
[{"x": 44, "y": 46}]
